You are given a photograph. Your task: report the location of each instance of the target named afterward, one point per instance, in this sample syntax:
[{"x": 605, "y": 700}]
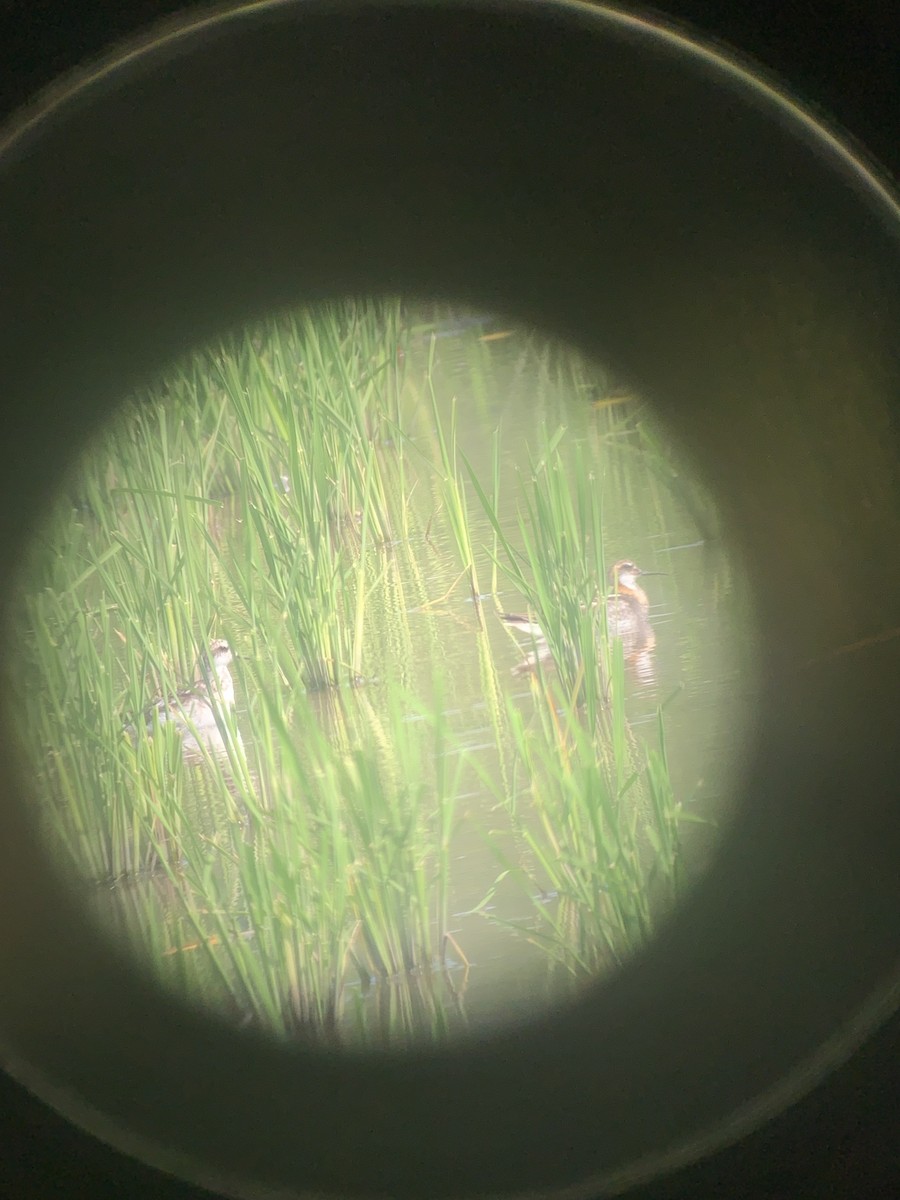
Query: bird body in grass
[
  {"x": 627, "y": 616},
  {"x": 192, "y": 710}
]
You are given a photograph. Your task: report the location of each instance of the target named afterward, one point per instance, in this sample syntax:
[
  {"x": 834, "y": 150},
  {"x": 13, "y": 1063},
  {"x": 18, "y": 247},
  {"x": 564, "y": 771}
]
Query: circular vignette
[{"x": 663, "y": 210}]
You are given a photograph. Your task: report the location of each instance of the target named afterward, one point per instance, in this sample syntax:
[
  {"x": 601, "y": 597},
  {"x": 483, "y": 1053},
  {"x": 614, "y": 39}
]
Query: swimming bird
[
  {"x": 193, "y": 709},
  {"x": 627, "y": 609}
]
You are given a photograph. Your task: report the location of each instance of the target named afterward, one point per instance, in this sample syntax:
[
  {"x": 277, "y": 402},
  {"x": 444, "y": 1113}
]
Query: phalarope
[
  {"x": 193, "y": 709},
  {"x": 627, "y": 609}
]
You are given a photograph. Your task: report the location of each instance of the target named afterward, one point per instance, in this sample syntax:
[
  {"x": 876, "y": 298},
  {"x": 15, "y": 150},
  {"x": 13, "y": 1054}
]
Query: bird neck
[{"x": 632, "y": 592}]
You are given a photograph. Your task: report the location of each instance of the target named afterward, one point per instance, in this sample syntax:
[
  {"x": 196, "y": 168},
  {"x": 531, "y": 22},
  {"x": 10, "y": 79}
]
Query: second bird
[{"x": 627, "y": 615}]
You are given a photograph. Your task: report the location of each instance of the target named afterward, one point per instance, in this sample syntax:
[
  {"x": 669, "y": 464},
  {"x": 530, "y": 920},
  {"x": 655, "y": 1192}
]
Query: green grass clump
[{"x": 600, "y": 827}]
